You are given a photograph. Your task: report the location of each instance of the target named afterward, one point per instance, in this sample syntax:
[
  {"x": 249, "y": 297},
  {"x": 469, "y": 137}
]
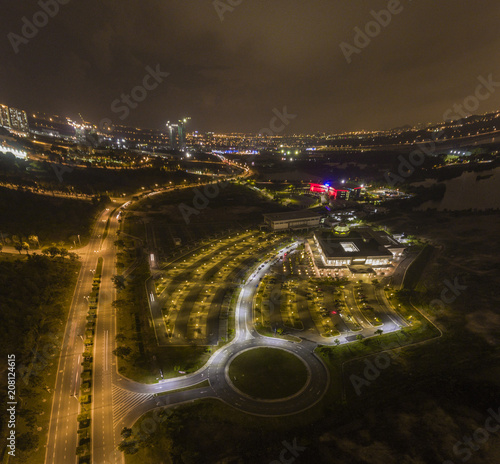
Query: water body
[{"x": 472, "y": 190}]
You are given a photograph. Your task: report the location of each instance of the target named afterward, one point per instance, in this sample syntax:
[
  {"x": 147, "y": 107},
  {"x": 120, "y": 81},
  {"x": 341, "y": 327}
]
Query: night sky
[{"x": 230, "y": 74}]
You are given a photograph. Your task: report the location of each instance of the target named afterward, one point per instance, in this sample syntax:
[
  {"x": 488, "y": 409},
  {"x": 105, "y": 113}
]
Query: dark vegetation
[
  {"x": 77, "y": 179},
  {"x": 52, "y": 219},
  {"x": 267, "y": 373},
  {"x": 35, "y": 294},
  {"x": 416, "y": 268}
]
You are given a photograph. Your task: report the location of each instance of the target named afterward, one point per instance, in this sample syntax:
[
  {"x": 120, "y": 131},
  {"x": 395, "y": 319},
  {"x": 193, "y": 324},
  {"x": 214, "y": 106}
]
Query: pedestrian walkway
[{"x": 124, "y": 401}]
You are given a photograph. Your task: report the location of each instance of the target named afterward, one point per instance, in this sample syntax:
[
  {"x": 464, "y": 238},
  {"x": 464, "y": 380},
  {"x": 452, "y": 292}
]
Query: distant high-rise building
[
  {"x": 19, "y": 120},
  {"x": 4, "y": 116},
  {"x": 14, "y": 118},
  {"x": 177, "y": 134}
]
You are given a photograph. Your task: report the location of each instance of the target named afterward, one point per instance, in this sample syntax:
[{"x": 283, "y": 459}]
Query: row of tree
[{"x": 51, "y": 251}]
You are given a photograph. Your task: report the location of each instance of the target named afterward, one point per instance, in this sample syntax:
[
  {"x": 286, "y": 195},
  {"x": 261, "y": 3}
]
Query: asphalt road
[
  {"x": 103, "y": 437},
  {"x": 62, "y": 435},
  {"x": 399, "y": 273}
]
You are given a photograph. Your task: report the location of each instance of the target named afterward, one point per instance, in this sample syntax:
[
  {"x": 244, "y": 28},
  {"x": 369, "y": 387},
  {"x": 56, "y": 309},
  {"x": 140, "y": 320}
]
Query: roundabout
[{"x": 267, "y": 374}]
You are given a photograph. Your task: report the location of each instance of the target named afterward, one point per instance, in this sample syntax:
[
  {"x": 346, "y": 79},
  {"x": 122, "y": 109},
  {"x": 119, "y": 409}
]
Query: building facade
[
  {"x": 177, "y": 134},
  {"x": 13, "y": 118},
  {"x": 358, "y": 246},
  {"x": 292, "y": 220}
]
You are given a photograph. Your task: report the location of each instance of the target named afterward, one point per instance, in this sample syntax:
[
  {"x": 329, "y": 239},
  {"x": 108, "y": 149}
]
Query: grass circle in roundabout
[{"x": 268, "y": 373}]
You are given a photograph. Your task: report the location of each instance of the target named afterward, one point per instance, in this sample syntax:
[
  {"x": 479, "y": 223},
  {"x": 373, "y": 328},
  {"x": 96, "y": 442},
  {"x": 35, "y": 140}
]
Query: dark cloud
[{"x": 265, "y": 54}]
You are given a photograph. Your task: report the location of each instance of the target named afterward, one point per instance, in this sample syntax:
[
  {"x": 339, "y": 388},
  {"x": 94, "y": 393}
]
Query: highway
[{"x": 62, "y": 434}]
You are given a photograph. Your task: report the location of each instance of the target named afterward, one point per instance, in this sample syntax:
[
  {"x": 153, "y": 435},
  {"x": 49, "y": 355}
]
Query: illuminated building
[
  {"x": 337, "y": 192},
  {"x": 4, "y": 116},
  {"x": 357, "y": 246},
  {"x": 177, "y": 134},
  {"x": 14, "y": 119}
]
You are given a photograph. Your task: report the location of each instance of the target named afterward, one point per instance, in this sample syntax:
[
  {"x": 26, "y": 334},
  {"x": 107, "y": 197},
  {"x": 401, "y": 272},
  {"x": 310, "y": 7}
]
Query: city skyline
[{"x": 231, "y": 67}]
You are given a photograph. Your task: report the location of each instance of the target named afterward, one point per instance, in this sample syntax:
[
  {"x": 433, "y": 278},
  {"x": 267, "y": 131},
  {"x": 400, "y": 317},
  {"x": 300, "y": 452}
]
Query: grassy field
[{"x": 267, "y": 373}]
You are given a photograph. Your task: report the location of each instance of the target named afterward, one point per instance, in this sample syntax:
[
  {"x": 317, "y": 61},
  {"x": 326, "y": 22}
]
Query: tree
[
  {"x": 337, "y": 342},
  {"x": 18, "y": 247},
  {"x": 119, "y": 304},
  {"x": 63, "y": 252},
  {"x": 379, "y": 331},
  {"x": 126, "y": 432},
  {"x": 1, "y": 247},
  {"x": 34, "y": 239},
  {"x": 122, "y": 351},
  {"x": 52, "y": 251},
  {"x": 26, "y": 246},
  {"x": 359, "y": 337},
  {"x": 119, "y": 281},
  {"x": 82, "y": 450},
  {"x": 28, "y": 441},
  {"x": 128, "y": 447}
]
